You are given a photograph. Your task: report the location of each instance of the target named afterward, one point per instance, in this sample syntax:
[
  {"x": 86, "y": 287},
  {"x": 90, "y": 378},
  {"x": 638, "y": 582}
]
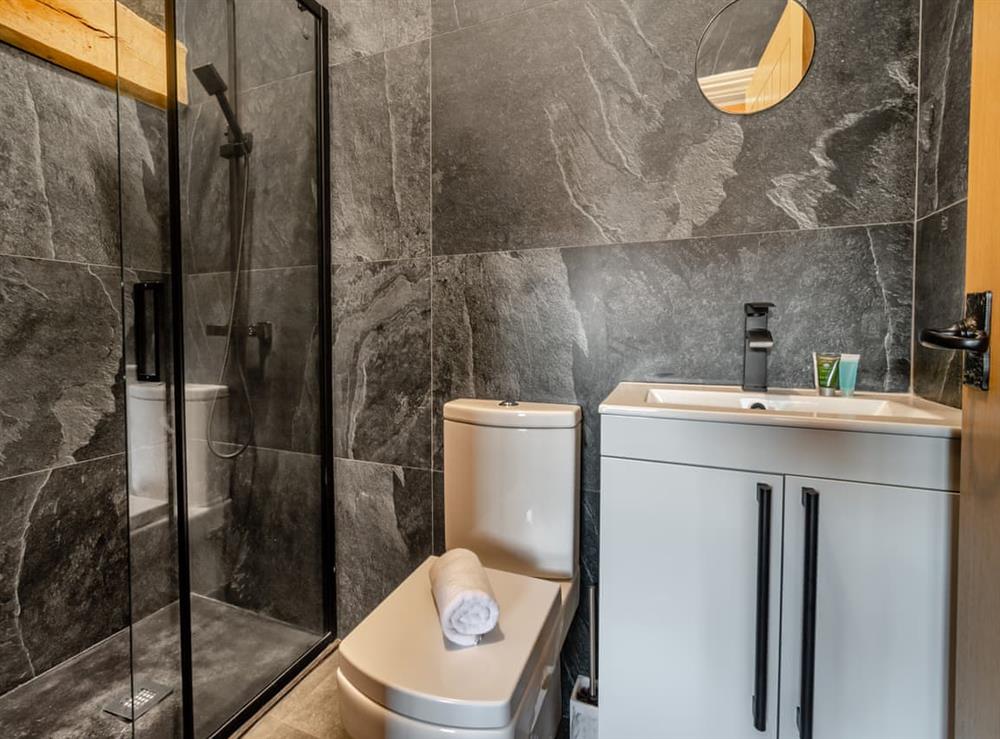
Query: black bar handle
[
  {"x": 810, "y": 499},
  {"x": 147, "y": 297},
  {"x": 963, "y": 336},
  {"x": 763, "y": 606}
]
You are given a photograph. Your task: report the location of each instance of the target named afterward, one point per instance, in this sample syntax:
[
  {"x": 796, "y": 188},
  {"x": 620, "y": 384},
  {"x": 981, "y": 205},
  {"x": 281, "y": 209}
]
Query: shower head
[
  {"x": 214, "y": 85},
  {"x": 210, "y": 79}
]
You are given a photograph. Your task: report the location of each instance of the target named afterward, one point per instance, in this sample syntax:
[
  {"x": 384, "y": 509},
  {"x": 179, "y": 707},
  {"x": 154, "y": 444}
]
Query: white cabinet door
[
  {"x": 882, "y": 601},
  {"x": 678, "y": 599}
]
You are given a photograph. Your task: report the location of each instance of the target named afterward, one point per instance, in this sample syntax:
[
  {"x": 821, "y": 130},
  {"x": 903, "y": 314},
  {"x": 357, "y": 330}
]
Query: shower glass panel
[{"x": 254, "y": 346}]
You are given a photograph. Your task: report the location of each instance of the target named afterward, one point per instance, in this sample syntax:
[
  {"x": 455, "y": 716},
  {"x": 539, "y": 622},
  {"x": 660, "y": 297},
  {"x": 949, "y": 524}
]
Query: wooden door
[{"x": 977, "y": 689}]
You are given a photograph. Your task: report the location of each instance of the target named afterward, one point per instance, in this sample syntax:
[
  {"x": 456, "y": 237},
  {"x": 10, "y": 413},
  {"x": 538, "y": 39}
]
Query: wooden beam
[{"x": 99, "y": 39}]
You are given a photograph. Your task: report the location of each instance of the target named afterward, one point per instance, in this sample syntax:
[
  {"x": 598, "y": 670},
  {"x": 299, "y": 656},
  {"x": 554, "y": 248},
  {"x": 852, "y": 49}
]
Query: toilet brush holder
[
  {"x": 583, "y": 700},
  {"x": 582, "y": 713}
]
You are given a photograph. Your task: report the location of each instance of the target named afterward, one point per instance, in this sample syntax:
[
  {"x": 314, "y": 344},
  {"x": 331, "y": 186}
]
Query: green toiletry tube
[{"x": 826, "y": 372}]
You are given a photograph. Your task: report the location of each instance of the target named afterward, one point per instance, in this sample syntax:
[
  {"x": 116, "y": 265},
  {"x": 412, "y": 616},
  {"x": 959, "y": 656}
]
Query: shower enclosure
[{"x": 185, "y": 575}]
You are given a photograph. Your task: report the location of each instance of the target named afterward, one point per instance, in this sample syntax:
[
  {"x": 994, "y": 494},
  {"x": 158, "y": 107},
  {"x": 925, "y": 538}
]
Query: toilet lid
[{"x": 399, "y": 658}]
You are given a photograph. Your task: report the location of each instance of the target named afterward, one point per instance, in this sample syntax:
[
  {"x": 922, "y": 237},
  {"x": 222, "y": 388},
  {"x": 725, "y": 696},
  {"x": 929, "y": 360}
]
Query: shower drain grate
[{"x": 130, "y": 707}]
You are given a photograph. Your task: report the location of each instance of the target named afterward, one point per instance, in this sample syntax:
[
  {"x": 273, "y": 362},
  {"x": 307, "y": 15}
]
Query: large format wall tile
[
  {"x": 284, "y": 380},
  {"x": 382, "y": 365},
  {"x": 360, "y": 28},
  {"x": 450, "y": 15},
  {"x": 275, "y": 538},
  {"x": 383, "y": 533},
  {"x": 939, "y": 297},
  {"x": 945, "y": 76},
  {"x": 63, "y": 565},
  {"x": 60, "y": 382},
  {"x": 580, "y": 123},
  {"x": 58, "y": 163},
  {"x": 380, "y": 149},
  {"x": 144, "y": 198},
  {"x": 568, "y": 325},
  {"x": 276, "y": 41}
]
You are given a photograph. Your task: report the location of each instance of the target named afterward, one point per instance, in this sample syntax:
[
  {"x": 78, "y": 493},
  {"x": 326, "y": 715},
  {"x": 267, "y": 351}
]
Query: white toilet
[{"x": 511, "y": 476}]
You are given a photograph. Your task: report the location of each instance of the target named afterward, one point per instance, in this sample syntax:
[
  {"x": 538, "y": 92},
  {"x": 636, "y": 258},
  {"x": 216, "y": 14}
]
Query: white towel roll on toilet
[{"x": 465, "y": 601}]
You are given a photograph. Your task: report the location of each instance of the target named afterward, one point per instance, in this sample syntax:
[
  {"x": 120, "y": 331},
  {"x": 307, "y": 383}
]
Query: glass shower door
[{"x": 255, "y": 344}]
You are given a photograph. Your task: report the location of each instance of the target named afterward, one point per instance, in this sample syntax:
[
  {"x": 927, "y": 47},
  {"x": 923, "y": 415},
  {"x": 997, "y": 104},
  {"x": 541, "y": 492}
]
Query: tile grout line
[
  {"x": 67, "y": 465},
  {"x": 627, "y": 244},
  {"x": 939, "y": 211}
]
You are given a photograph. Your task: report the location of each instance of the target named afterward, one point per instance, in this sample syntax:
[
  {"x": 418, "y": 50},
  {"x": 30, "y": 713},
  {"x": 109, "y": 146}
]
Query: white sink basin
[{"x": 878, "y": 412}]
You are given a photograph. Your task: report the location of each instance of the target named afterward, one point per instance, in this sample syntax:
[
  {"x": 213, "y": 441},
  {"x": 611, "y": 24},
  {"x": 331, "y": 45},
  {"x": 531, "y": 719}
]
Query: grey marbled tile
[
  {"x": 284, "y": 381},
  {"x": 568, "y": 325},
  {"x": 145, "y": 202},
  {"x": 380, "y": 155},
  {"x": 383, "y": 533},
  {"x": 939, "y": 300},
  {"x": 945, "y": 77},
  {"x": 64, "y": 565},
  {"x": 450, "y": 15},
  {"x": 437, "y": 481},
  {"x": 60, "y": 383},
  {"x": 202, "y": 25},
  {"x": 579, "y": 123},
  {"x": 382, "y": 366},
  {"x": 361, "y": 28},
  {"x": 153, "y": 565},
  {"x": 58, "y": 163},
  {"x": 275, "y": 537},
  {"x": 275, "y": 41},
  {"x": 205, "y": 193},
  {"x": 283, "y": 227}
]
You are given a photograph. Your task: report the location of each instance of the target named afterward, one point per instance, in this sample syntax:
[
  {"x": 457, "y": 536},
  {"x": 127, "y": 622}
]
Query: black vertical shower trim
[
  {"x": 325, "y": 318},
  {"x": 810, "y": 499},
  {"x": 177, "y": 343},
  {"x": 762, "y": 625}
]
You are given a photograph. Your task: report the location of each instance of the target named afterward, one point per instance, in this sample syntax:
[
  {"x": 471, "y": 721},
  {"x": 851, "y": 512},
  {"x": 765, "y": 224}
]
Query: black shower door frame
[{"x": 324, "y": 319}]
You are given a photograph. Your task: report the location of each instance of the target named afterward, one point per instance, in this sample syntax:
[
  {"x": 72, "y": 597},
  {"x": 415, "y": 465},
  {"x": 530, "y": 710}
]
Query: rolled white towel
[{"x": 465, "y": 601}]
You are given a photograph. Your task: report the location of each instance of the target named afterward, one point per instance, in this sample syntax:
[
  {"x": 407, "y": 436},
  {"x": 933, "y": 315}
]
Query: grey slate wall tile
[
  {"x": 58, "y": 175},
  {"x": 64, "y": 564},
  {"x": 360, "y": 28},
  {"x": 945, "y": 77},
  {"x": 380, "y": 156},
  {"x": 384, "y": 533},
  {"x": 60, "y": 383},
  {"x": 579, "y": 123},
  {"x": 939, "y": 296},
  {"x": 275, "y": 537},
  {"x": 568, "y": 325},
  {"x": 450, "y": 15},
  {"x": 382, "y": 363}
]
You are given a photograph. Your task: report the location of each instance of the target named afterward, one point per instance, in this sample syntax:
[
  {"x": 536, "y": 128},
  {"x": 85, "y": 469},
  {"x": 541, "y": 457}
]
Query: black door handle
[
  {"x": 810, "y": 499},
  {"x": 147, "y": 298},
  {"x": 963, "y": 336},
  {"x": 763, "y": 605}
]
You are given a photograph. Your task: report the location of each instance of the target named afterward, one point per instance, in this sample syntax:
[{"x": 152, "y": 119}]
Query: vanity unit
[{"x": 775, "y": 564}]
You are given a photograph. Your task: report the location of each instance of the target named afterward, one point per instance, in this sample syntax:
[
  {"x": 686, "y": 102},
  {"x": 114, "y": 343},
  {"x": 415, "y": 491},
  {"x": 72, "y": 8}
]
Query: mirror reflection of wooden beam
[
  {"x": 80, "y": 35},
  {"x": 785, "y": 60},
  {"x": 728, "y": 90}
]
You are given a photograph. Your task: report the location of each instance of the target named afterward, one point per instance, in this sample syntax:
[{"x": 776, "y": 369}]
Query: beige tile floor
[{"x": 310, "y": 710}]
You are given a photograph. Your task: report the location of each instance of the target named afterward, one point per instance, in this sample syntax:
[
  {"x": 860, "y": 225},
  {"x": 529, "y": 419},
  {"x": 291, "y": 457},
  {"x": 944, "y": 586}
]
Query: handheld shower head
[
  {"x": 214, "y": 85},
  {"x": 210, "y": 79}
]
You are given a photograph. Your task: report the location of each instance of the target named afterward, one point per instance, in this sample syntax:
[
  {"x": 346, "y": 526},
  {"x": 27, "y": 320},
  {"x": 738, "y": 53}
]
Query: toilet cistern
[{"x": 757, "y": 343}]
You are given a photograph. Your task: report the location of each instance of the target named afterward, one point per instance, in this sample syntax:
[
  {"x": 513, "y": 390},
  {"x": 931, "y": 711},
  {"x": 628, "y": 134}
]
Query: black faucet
[{"x": 757, "y": 342}]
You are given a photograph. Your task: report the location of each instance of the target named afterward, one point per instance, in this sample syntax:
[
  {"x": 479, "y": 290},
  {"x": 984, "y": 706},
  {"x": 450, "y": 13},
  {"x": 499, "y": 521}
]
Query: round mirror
[{"x": 754, "y": 53}]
